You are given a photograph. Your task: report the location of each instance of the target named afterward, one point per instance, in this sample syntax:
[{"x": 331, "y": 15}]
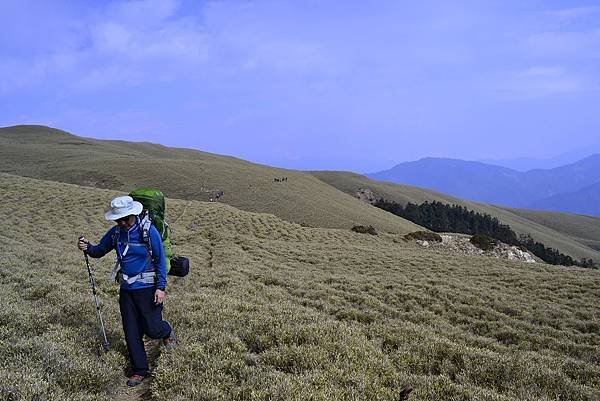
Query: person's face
[{"x": 126, "y": 221}]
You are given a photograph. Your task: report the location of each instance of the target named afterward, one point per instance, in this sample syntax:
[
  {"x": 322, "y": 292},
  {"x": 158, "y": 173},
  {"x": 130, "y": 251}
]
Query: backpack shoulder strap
[
  {"x": 115, "y": 233},
  {"x": 145, "y": 225},
  {"x": 115, "y": 241}
]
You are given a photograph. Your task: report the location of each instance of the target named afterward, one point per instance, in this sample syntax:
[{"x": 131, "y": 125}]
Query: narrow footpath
[{"x": 142, "y": 392}]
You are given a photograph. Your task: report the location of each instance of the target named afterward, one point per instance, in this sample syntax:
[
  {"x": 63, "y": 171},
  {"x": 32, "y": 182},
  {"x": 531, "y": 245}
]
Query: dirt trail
[
  {"x": 185, "y": 208},
  {"x": 142, "y": 392}
]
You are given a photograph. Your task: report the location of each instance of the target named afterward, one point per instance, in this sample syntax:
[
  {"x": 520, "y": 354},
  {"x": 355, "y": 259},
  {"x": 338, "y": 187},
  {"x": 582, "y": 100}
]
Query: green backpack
[{"x": 153, "y": 201}]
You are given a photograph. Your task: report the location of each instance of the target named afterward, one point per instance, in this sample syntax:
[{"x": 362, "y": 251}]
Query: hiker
[{"x": 143, "y": 278}]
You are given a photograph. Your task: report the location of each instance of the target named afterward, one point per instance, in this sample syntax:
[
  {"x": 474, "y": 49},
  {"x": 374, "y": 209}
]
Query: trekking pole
[{"x": 106, "y": 345}]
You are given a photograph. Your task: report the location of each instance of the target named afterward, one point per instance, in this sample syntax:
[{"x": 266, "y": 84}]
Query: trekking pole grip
[{"x": 81, "y": 237}]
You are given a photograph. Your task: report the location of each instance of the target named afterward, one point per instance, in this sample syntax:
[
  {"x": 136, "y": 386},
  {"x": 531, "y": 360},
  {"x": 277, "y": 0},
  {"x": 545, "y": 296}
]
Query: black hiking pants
[{"x": 141, "y": 316}]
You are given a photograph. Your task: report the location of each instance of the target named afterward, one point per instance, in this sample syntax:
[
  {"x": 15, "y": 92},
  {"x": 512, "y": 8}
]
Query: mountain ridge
[
  {"x": 583, "y": 201},
  {"x": 495, "y": 184}
]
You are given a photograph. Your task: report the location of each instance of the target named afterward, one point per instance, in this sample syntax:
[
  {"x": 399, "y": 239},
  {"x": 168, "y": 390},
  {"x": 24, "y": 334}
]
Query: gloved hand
[{"x": 83, "y": 244}]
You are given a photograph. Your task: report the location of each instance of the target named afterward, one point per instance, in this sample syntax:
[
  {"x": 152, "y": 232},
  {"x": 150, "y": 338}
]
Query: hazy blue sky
[{"x": 358, "y": 85}]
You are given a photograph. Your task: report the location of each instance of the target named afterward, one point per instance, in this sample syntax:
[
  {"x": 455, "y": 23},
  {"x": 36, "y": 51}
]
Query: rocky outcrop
[
  {"x": 460, "y": 243},
  {"x": 366, "y": 195}
]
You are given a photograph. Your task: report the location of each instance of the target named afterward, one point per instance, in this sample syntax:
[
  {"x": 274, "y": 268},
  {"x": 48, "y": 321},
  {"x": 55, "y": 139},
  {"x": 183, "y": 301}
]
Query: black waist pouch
[{"x": 180, "y": 266}]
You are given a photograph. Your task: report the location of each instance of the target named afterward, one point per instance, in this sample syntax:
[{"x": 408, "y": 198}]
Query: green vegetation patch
[
  {"x": 365, "y": 230},
  {"x": 424, "y": 236},
  {"x": 441, "y": 217},
  {"x": 483, "y": 242}
]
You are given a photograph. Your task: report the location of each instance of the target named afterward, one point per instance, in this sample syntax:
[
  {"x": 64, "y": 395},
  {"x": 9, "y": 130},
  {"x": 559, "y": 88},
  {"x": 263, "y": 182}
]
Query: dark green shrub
[
  {"x": 483, "y": 242},
  {"x": 424, "y": 236},
  {"x": 441, "y": 217},
  {"x": 365, "y": 230}
]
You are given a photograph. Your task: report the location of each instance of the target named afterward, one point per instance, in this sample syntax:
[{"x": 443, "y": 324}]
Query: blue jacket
[{"x": 137, "y": 259}]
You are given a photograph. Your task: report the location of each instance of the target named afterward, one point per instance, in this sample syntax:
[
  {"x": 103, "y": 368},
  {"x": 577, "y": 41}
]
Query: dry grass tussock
[{"x": 276, "y": 311}]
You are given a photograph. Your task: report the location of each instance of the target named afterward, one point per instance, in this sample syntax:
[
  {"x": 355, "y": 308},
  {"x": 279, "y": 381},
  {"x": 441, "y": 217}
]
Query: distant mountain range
[
  {"x": 583, "y": 201},
  {"x": 530, "y": 163},
  {"x": 573, "y": 188}
]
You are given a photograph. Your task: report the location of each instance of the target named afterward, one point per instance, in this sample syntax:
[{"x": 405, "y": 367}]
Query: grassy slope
[
  {"x": 41, "y": 152},
  {"x": 276, "y": 311},
  {"x": 585, "y": 229},
  {"x": 560, "y": 234}
]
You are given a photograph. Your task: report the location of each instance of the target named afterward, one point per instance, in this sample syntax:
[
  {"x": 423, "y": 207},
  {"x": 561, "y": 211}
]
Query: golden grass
[
  {"x": 275, "y": 311},
  {"x": 571, "y": 234}
]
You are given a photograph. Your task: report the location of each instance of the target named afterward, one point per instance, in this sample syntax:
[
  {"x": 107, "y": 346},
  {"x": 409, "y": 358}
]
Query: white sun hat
[{"x": 123, "y": 206}]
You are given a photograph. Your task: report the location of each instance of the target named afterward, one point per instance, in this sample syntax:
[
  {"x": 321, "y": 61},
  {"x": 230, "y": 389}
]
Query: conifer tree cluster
[{"x": 441, "y": 217}]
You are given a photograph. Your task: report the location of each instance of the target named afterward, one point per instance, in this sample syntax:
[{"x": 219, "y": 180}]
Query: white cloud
[
  {"x": 142, "y": 13},
  {"x": 566, "y": 33},
  {"x": 111, "y": 37},
  {"x": 542, "y": 81},
  {"x": 137, "y": 42},
  {"x": 567, "y": 14},
  {"x": 542, "y": 72},
  {"x": 128, "y": 43},
  {"x": 583, "y": 45}
]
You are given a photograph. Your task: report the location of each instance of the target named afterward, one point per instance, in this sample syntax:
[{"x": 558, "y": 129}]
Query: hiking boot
[
  {"x": 134, "y": 380},
  {"x": 405, "y": 393},
  {"x": 171, "y": 341}
]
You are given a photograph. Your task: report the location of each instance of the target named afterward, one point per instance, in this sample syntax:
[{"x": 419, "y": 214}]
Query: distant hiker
[{"x": 143, "y": 278}]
